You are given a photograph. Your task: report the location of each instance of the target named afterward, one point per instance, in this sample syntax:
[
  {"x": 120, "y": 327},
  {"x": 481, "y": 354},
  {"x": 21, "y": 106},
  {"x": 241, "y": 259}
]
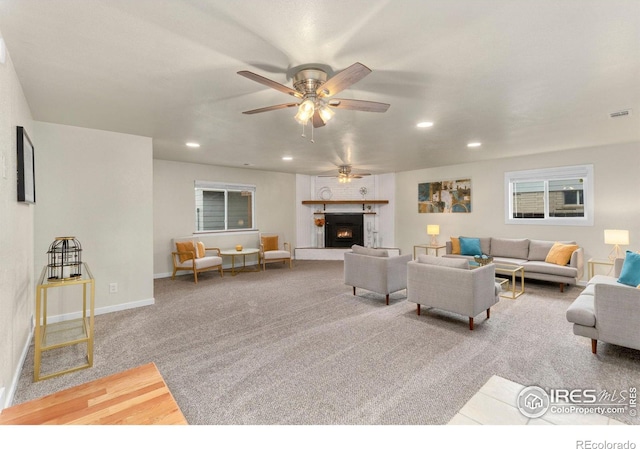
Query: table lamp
[
  {"x": 616, "y": 237},
  {"x": 433, "y": 231}
]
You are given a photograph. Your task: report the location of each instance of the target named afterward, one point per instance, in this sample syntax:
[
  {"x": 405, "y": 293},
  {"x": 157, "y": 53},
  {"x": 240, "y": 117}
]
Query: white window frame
[
  {"x": 585, "y": 172},
  {"x": 226, "y": 188}
]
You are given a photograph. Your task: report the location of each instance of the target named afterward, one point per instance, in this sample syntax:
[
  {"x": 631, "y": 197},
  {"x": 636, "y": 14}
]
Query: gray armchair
[
  {"x": 374, "y": 270},
  {"x": 607, "y": 311},
  {"x": 449, "y": 284}
]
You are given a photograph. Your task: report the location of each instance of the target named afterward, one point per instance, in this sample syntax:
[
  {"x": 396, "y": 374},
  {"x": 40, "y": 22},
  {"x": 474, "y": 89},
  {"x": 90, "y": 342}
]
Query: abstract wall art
[{"x": 445, "y": 196}]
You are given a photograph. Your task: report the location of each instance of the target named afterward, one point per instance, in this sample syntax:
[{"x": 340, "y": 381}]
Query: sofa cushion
[
  {"x": 630, "y": 274},
  {"x": 201, "y": 250},
  {"x": 536, "y": 266},
  {"x": 560, "y": 253},
  {"x": 357, "y": 249},
  {"x": 183, "y": 247},
  {"x": 582, "y": 311},
  {"x": 269, "y": 243},
  {"x": 485, "y": 245},
  {"x": 443, "y": 261},
  {"x": 470, "y": 246},
  {"x": 511, "y": 248},
  {"x": 539, "y": 249},
  {"x": 455, "y": 245}
]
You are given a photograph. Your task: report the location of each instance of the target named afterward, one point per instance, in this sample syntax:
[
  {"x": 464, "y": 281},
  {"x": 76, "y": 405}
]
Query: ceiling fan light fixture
[
  {"x": 326, "y": 113},
  {"x": 305, "y": 111}
]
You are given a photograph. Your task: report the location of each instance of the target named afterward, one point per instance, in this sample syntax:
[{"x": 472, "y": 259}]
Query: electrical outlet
[{"x": 113, "y": 287}]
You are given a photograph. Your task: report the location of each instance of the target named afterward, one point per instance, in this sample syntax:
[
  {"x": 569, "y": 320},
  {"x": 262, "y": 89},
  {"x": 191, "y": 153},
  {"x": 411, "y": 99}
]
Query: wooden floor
[{"x": 137, "y": 396}]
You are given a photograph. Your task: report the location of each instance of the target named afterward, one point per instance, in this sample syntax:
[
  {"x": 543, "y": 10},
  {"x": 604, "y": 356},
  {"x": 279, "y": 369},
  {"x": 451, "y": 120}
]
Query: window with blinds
[
  {"x": 224, "y": 207},
  {"x": 556, "y": 196}
]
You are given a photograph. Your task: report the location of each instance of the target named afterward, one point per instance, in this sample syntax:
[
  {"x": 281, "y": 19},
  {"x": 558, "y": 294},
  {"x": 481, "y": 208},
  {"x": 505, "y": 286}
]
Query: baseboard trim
[
  {"x": 103, "y": 310},
  {"x": 11, "y": 392}
]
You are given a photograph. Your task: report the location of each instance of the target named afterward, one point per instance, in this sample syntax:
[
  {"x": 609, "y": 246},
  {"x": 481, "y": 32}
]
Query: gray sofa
[
  {"x": 531, "y": 255},
  {"x": 374, "y": 270},
  {"x": 450, "y": 285},
  {"x": 607, "y": 311}
]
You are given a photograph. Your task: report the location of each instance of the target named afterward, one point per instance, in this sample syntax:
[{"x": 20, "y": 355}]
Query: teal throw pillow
[
  {"x": 630, "y": 274},
  {"x": 470, "y": 247}
]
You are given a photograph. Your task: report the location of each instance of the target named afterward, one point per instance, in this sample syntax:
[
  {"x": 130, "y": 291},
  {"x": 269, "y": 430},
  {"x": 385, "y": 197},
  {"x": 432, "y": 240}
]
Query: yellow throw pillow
[
  {"x": 201, "y": 251},
  {"x": 184, "y": 247},
  {"x": 455, "y": 245},
  {"x": 560, "y": 254},
  {"x": 270, "y": 243}
]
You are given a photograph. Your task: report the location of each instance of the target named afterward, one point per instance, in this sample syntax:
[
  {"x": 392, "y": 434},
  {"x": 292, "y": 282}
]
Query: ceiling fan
[
  {"x": 345, "y": 175},
  {"x": 314, "y": 93}
]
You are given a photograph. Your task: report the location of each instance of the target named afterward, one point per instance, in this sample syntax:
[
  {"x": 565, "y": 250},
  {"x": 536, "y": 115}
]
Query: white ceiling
[{"x": 521, "y": 76}]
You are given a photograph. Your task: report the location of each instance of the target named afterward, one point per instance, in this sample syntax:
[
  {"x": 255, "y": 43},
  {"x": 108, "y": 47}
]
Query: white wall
[
  {"x": 616, "y": 201},
  {"x": 97, "y": 186},
  {"x": 16, "y": 236},
  {"x": 174, "y": 206}
]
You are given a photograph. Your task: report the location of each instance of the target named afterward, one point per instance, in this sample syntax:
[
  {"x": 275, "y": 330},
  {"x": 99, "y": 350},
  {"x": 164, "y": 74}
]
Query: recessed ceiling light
[
  {"x": 193, "y": 145},
  {"x": 425, "y": 125},
  {"x": 474, "y": 144},
  {"x": 287, "y": 158}
]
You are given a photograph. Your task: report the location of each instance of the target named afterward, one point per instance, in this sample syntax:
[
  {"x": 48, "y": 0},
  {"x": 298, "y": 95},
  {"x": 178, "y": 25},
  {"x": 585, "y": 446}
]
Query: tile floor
[{"x": 495, "y": 404}]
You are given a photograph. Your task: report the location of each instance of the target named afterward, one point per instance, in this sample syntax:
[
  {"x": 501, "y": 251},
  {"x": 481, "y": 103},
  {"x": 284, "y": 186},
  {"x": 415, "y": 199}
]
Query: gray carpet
[{"x": 296, "y": 347}]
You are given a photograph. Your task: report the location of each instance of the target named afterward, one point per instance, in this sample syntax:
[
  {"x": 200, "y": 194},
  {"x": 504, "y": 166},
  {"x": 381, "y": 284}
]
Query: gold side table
[
  {"x": 512, "y": 270},
  {"x": 591, "y": 263},
  {"x": 427, "y": 247},
  {"x": 63, "y": 333}
]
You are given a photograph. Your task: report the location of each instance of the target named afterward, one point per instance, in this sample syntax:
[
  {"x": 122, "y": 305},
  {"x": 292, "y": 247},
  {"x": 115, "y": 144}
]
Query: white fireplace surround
[{"x": 380, "y": 221}]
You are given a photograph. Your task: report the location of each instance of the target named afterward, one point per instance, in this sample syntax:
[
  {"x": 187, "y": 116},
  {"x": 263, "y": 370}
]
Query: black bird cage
[{"x": 65, "y": 259}]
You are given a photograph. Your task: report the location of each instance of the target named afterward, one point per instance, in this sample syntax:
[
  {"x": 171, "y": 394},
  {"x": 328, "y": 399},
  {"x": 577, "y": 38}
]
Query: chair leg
[
  {"x": 354, "y": 291},
  {"x": 387, "y": 299},
  {"x": 562, "y": 288},
  {"x": 470, "y": 323},
  {"x": 173, "y": 276},
  {"x": 418, "y": 310},
  {"x": 221, "y": 271},
  {"x": 195, "y": 276},
  {"x": 489, "y": 313},
  {"x": 594, "y": 346}
]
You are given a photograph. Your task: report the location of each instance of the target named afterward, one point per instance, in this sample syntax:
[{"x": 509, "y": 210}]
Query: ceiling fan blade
[
  {"x": 343, "y": 79},
  {"x": 317, "y": 120},
  {"x": 269, "y": 83},
  {"x": 271, "y": 108},
  {"x": 359, "y": 105}
]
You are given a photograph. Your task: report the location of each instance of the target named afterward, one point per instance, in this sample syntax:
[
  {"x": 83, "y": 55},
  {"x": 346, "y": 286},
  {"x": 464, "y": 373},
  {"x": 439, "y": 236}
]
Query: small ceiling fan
[
  {"x": 345, "y": 175},
  {"x": 314, "y": 93}
]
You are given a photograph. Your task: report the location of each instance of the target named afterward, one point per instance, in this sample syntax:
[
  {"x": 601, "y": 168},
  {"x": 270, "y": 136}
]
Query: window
[
  {"x": 224, "y": 207},
  {"x": 553, "y": 196}
]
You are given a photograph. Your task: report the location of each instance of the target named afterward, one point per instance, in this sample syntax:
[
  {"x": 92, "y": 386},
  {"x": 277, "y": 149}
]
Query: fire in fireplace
[{"x": 343, "y": 230}]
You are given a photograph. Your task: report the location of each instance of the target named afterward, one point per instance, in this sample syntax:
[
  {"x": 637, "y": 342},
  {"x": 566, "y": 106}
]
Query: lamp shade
[
  {"x": 433, "y": 229},
  {"x": 616, "y": 237}
]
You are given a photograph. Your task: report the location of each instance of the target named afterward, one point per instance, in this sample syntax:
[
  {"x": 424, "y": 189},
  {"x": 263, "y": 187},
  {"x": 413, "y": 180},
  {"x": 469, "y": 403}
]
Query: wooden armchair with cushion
[
  {"x": 271, "y": 251},
  {"x": 191, "y": 255}
]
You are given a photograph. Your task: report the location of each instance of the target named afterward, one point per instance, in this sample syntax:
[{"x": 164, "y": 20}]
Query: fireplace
[{"x": 343, "y": 230}]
